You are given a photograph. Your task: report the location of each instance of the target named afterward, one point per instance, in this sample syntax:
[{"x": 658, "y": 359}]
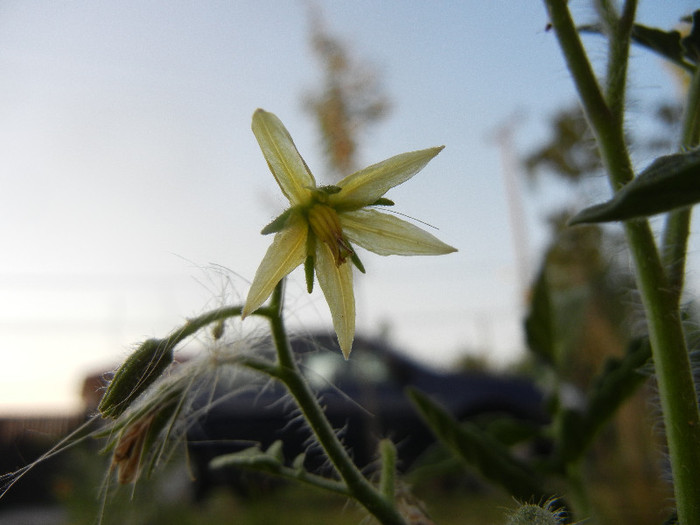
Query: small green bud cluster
[{"x": 530, "y": 514}]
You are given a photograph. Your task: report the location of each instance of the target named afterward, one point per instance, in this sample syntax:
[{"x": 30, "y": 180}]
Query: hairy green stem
[
  {"x": 192, "y": 326},
  {"x": 690, "y": 136},
  {"x": 673, "y": 372},
  {"x": 618, "y": 51},
  {"x": 677, "y": 231},
  {"x": 289, "y": 374}
]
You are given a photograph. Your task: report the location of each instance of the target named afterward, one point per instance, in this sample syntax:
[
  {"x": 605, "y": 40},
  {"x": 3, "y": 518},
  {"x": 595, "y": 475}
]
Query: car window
[{"x": 363, "y": 368}]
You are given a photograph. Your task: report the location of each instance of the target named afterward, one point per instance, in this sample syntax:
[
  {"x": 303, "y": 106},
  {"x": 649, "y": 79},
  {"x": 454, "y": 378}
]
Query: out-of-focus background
[{"x": 133, "y": 190}]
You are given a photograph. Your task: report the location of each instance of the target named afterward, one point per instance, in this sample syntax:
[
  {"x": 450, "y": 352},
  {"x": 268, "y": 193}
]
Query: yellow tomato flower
[{"x": 323, "y": 223}]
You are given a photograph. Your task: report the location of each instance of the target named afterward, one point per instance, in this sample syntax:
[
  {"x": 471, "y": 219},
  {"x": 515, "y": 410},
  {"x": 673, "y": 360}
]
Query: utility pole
[{"x": 503, "y": 136}]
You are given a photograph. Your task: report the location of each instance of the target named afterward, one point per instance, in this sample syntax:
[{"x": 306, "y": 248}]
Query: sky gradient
[{"x": 133, "y": 190}]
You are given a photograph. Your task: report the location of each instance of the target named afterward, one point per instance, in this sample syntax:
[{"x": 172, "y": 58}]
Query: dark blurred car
[{"x": 363, "y": 397}]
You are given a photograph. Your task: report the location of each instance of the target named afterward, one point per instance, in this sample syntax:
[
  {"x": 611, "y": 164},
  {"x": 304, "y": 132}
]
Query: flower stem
[
  {"x": 673, "y": 372},
  {"x": 195, "y": 324},
  {"x": 288, "y": 373}
]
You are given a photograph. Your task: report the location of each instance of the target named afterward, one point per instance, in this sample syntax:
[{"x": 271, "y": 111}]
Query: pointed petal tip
[
  {"x": 346, "y": 348},
  {"x": 258, "y": 113},
  {"x": 246, "y": 310}
]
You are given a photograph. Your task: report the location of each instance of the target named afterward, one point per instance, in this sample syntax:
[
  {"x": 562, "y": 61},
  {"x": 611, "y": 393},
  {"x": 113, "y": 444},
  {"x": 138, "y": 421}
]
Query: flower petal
[
  {"x": 336, "y": 283},
  {"x": 364, "y": 187},
  {"x": 385, "y": 234},
  {"x": 287, "y": 251},
  {"x": 285, "y": 162}
]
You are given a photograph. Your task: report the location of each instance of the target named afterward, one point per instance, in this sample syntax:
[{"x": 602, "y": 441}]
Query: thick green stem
[
  {"x": 288, "y": 372},
  {"x": 673, "y": 372}
]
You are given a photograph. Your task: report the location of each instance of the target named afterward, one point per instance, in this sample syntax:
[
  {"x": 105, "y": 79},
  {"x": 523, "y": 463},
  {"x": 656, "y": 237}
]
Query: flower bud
[{"x": 137, "y": 373}]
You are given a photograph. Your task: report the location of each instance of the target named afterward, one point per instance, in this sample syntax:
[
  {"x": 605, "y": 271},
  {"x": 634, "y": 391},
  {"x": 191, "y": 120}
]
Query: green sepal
[
  {"x": 382, "y": 201},
  {"x": 329, "y": 189},
  {"x": 278, "y": 223},
  {"x": 135, "y": 375},
  {"x": 298, "y": 463},
  {"x": 357, "y": 262},
  {"x": 157, "y": 436},
  {"x": 309, "y": 273},
  {"x": 670, "y": 182}
]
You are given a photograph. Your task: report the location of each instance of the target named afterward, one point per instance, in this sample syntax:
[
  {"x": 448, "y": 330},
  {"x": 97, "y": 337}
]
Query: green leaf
[
  {"x": 691, "y": 43},
  {"x": 252, "y": 458},
  {"x": 668, "y": 44},
  {"x": 477, "y": 448},
  {"x": 670, "y": 182},
  {"x": 540, "y": 324},
  {"x": 618, "y": 380},
  {"x": 665, "y": 43}
]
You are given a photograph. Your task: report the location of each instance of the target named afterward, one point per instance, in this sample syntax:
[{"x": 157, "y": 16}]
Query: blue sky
[{"x": 130, "y": 176}]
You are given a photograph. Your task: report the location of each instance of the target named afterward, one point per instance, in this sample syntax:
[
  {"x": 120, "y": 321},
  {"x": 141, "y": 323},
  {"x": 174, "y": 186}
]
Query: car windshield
[{"x": 323, "y": 368}]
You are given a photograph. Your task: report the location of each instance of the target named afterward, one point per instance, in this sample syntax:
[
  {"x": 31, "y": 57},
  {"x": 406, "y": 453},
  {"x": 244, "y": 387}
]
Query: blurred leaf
[
  {"x": 252, "y": 458},
  {"x": 668, "y": 44},
  {"x": 493, "y": 460},
  {"x": 539, "y": 324},
  {"x": 619, "y": 379},
  {"x": 511, "y": 431},
  {"x": 691, "y": 43},
  {"x": 568, "y": 153},
  {"x": 670, "y": 182}
]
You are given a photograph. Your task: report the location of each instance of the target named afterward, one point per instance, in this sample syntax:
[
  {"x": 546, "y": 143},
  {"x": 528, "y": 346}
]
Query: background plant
[{"x": 573, "y": 430}]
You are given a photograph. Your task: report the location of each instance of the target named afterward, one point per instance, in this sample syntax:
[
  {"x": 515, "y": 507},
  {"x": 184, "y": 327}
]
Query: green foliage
[
  {"x": 270, "y": 460},
  {"x": 540, "y": 331},
  {"x": 619, "y": 379},
  {"x": 478, "y": 449},
  {"x": 682, "y": 51},
  {"x": 670, "y": 182}
]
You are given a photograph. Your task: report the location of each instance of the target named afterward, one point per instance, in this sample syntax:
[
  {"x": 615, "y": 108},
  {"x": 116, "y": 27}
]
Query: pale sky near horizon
[{"x": 133, "y": 190}]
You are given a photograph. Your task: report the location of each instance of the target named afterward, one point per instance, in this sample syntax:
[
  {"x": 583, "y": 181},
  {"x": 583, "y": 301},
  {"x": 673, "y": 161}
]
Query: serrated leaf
[
  {"x": 670, "y": 182},
  {"x": 477, "y": 448}
]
